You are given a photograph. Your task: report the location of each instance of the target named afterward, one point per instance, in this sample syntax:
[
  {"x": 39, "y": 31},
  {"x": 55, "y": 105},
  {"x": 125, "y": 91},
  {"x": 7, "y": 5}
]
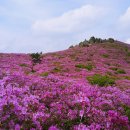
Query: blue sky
[{"x": 51, "y": 25}]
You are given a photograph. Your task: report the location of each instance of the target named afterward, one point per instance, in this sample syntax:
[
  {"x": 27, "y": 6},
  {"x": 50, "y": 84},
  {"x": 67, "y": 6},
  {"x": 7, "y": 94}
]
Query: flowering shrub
[
  {"x": 52, "y": 103},
  {"x": 58, "y": 96}
]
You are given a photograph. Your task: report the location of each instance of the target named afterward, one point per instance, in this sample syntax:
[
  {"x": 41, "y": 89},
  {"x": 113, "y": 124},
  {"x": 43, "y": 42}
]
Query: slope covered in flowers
[{"x": 82, "y": 88}]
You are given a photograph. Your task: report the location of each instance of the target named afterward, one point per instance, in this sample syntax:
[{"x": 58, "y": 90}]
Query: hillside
[{"x": 86, "y": 87}]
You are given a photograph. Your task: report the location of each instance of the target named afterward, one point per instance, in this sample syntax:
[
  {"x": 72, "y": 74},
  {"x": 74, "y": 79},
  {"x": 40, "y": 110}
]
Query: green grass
[
  {"x": 120, "y": 71},
  {"x": 128, "y": 54},
  {"x": 105, "y": 55},
  {"x": 127, "y": 77},
  {"x": 127, "y": 111},
  {"x": 101, "y": 80},
  {"x": 44, "y": 74},
  {"x": 23, "y": 65},
  {"x": 89, "y": 66},
  {"x": 56, "y": 70},
  {"x": 114, "y": 68}
]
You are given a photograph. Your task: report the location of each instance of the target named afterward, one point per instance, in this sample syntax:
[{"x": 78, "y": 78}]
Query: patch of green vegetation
[
  {"x": 127, "y": 77},
  {"x": 44, "y": 74},
  {"x": 128, "y": 54},
  {"x": 101, "y": 80},
  {"x": 68, "y": 124},
  {"x": 89, "y": 66},
  {"x": 111, "y": 40},
  {"x": 80, "y": 66},
  {"x": 127, "y": 111},
  {"x": 33, "y": 71},
  {"x": 71, "y": 46},
  {"x": 23, "y": 65},
  {"x": 120, "y": 71},
  {"x": 85, "y": 43},
  {"x": 56, "y": 69},
  {"x": 36, "y": 57},
  {"x": 126, "y": 49},
  {"x": 95, "y": 40},
  {"x": 105, "y": 55},
  {"x": 114, "y": 68}
]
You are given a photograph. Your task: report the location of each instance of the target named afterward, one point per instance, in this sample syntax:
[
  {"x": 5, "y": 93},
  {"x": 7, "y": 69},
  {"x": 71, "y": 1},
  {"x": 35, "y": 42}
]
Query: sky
[{"x": 28, "y": 26}]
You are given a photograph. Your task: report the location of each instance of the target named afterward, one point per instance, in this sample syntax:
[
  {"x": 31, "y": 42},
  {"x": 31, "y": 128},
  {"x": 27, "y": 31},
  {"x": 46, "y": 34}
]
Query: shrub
[
  {"x": 71, "y": 46},
  {"x": 127, "y": 111},
  {"x": 101, "y": 80},
  {"x": 111, "y": 40},
  {"x": 105, "y": 55},
  {"x": 44, "y": 74},
  {"x": 98, "y": 40},
  {"x": 36, "y": 57},
  {"x": 126, "y": 49},
  {"x": 128, "y": 54},
  {"x": 114, "y": 68},
  {"x": 92, "y": 39},
  {"x": 95, "y": 40},
  {"x": 89, "y": 67},
  {"x": 23, "y": 65},
  {"x": 127, "y": 77},
  {"x": 85, "y": 43},
  {"x": 80, "y": 66},
  {"x": 120, "y": 71},
  {"x": 56, "y": 69}
]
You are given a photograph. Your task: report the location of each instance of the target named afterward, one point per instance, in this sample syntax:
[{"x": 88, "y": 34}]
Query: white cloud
[
  {"x": 70, "y": 21},
  {"x": 125, "y": 19}
]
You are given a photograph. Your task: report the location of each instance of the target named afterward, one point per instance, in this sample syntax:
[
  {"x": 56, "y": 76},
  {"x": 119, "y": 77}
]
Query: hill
[{"x": 86, "y": 87}]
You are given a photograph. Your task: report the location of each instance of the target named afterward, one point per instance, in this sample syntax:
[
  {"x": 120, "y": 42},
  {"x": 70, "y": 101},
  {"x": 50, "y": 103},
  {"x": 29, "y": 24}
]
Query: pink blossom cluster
[{"x": 56, "y": 104}]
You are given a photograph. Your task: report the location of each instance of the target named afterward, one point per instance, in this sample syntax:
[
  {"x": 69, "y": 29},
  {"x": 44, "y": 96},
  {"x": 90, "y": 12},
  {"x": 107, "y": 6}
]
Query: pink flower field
[{"x": 81, "y": 88}]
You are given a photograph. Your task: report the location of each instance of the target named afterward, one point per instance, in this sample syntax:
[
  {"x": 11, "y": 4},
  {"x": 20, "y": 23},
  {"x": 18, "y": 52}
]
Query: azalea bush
[{"x": 55, "y": 104}]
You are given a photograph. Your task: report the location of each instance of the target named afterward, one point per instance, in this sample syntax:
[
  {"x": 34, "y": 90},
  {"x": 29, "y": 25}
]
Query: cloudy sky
[{"x": 52, "y": 25}]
